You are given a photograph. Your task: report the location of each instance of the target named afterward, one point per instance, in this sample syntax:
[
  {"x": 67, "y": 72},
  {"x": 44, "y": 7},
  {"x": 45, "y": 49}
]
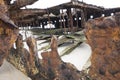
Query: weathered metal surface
[
  {"x": 31, "y": 42},
  {"x": 8, "y": 32},
  {"x": 3, "y": 14},
  {"x": 103, "y": 35},
  {"x": 55, "y": 68},
  {"x": 50, "y": 67},
  {"x": 33, "y": 61},
  {"x": 23, "y": 59},
  {"x": 8, "y": 35},
  {"x": 7, "y": 20}
]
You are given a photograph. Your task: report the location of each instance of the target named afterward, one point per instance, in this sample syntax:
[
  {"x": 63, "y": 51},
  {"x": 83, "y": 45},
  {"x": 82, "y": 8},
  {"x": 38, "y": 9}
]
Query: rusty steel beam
[
  {"x": 36, "y": 11},
  {"x": 26, "y": 20},
  {"x": 21, "y": 3},
  {"x": 26, "y": 12},
  {"x": 76, "y": 5}
]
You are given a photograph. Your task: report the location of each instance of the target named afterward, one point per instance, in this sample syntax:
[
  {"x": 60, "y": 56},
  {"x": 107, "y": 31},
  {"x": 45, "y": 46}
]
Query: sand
[
  {"x": 9, "y": 72},
  {"x": 79, "y": 56}
]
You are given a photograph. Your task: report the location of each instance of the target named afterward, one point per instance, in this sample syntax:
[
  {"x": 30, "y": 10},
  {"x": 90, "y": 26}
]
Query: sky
[{"x": 49, "y": 3}]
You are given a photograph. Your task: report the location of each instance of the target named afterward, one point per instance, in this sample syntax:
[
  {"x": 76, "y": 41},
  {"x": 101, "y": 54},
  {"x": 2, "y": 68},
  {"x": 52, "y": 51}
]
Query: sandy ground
[
  {"x": 79, "y": 56},
  {"x": 9, "y": 72}
]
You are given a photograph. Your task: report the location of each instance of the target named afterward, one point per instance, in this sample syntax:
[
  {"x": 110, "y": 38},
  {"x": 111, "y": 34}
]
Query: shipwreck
[{"x": 101, "y": 28}]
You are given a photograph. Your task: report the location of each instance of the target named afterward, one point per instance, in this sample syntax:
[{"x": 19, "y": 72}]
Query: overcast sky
[{"x": 49, "y": 3}]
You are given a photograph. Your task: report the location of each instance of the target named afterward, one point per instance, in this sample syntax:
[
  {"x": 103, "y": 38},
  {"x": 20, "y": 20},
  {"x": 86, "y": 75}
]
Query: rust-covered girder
[
  {"x": 112, "y": 10},
  {"x": 23, "y": 13},
  {"x": 21, "y": 3},
  {"x": 78, "y": 4},
  {"x": 26, "y": 20}
]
